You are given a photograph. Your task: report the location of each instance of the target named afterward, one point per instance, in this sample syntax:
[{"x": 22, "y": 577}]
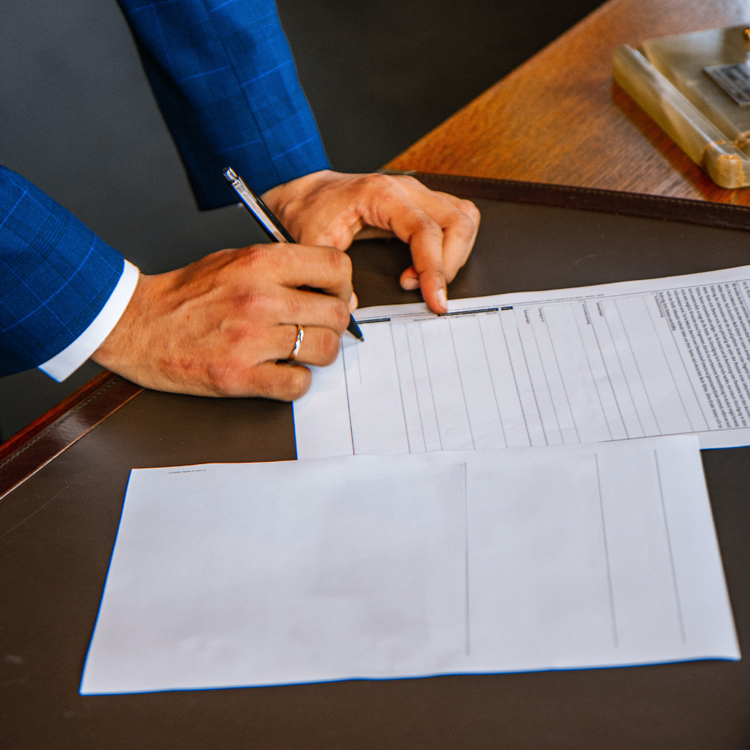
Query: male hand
[
  {"x": 332, "y": 209},
  {"x": 224, "y": 325}
]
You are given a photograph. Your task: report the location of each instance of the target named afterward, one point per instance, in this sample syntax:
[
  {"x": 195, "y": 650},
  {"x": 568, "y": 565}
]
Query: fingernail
[
  {"x": 353, "y": 302},
  {"x": 410, "y": 284},
  {"x": 442, "y": 299}
]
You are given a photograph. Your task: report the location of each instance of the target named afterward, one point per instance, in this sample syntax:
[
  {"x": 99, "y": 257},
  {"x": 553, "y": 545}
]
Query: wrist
[{"x": 121, "y": 345}]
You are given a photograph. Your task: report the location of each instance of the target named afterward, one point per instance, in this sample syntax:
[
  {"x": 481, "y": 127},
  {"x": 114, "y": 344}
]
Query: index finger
[
  {"x": 459, "y": 220},
  {"x": 426, "y": 238},
  {"x": 441, "y": 234}
]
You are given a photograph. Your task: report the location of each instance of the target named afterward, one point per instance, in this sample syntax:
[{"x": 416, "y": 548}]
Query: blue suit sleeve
[
  {"x": 225, "y": 81},
  {"x": 55, "y": 275}
]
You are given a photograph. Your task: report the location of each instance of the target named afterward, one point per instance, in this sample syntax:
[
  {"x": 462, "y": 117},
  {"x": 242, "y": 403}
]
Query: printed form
[{"x": 612, "y": 362}]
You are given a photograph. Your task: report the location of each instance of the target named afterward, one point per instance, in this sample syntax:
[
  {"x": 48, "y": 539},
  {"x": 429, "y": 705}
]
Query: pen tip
[{"x": 354, "y": 329}]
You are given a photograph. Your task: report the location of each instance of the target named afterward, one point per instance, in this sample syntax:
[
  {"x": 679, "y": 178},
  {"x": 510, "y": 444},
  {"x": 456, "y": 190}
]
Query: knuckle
[
  {"x": 330, "y": 344},
  {"x": 341, "y": 316},
  {"x": 294, "y": 305},
  {"x": 338, "y": 265},
  {"x": 298, "y": 383},
  {"x": 378, "y": 180},
  {"x": 407, "y": 179},
  {"x": 384, "y": 186},
  {"x": 426, "y": 225},
  {"x": 257, "y": 304},
  {"x": 342, "y": 263},
  {"x": 224, "y": 378},
  {"x": 471, "y": 211},
  {"x": 467, "y": 226},
  {"x": 257, "y": 259},
  {"x": 252, "y": 254},
  {"x": 464, "y": 220}
]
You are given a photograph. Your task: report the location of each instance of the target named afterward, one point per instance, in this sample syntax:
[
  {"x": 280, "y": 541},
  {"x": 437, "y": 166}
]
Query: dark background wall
[{"x": 77, "y": 116}]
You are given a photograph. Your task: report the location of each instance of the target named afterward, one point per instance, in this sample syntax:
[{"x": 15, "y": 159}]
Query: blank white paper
[
  {"x": 403, "y": 566},
  {"x": 612, "y": 362},
  {"x": 283, "y": 572}
]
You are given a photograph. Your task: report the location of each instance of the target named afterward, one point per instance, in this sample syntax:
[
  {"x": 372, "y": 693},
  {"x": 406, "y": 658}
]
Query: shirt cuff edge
[{"x": 66, "y": 362}]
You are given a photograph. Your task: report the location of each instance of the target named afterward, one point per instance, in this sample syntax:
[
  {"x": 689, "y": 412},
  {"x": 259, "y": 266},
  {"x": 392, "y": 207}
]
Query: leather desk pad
[{"x": 57, "y": 530}]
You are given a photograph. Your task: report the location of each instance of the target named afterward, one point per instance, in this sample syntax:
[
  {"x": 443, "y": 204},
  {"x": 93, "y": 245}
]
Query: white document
[
  {"x": 282, "y": 572},
  {"x": 612, "y": 362},
  {"x": 401, "y": 566}
]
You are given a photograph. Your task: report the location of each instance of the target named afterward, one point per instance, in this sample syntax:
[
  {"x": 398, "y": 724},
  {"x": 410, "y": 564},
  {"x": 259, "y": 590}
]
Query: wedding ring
[{"x": 297, "y": 344}]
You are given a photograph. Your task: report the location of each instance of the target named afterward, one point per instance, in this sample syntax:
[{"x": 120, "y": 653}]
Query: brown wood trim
[{"x": 36, "y": 445}]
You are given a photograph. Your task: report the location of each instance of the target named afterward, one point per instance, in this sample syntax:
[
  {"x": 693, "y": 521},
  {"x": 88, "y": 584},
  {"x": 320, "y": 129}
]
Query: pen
[{"x": 272, "y": 226}]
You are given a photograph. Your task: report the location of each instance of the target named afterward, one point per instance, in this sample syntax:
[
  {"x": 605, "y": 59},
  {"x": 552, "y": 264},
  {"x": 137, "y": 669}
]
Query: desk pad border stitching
[
  {"x": 618, "y": 194},
  {"x": 704, "y": 213}
]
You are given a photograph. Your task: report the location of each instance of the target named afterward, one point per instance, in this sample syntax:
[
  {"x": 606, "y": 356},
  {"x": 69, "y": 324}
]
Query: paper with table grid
[
  {"x": 612, "y": 362},
  {"x": 399, "y": 566}
]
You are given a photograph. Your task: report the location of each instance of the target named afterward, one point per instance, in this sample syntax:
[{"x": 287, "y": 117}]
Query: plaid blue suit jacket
[{"x": 224, "y": 78}]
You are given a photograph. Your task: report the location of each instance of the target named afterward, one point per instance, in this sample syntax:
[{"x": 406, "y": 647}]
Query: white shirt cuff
[{"x": 73, "y": 356}]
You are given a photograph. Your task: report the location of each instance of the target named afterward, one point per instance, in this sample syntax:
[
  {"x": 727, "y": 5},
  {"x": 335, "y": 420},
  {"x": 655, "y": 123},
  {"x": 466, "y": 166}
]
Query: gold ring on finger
[{"x": 297, "y": 344}]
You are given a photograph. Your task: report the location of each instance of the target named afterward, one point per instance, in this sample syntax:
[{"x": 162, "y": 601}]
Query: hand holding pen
[
  {"x": 276, "y": 233},
  {"x": 224, "y": 325}
]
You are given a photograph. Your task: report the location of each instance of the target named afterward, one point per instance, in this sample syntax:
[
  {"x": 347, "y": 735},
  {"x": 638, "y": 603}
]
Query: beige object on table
[{"x": 669, "y": 78}]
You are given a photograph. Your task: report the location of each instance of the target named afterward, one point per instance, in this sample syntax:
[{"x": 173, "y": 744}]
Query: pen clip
[{"x": 262, "y": 214}]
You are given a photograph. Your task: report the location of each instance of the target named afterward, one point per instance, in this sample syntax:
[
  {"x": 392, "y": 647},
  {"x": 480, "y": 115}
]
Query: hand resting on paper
[
  {"x": 333, "y": 209},
  {"x": 224, "y": 325}
]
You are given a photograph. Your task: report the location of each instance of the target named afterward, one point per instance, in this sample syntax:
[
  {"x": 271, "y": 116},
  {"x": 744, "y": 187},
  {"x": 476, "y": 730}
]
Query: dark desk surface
[
  {"x": 556, "y": 119},
  {"x": 58, "y": 527}
]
